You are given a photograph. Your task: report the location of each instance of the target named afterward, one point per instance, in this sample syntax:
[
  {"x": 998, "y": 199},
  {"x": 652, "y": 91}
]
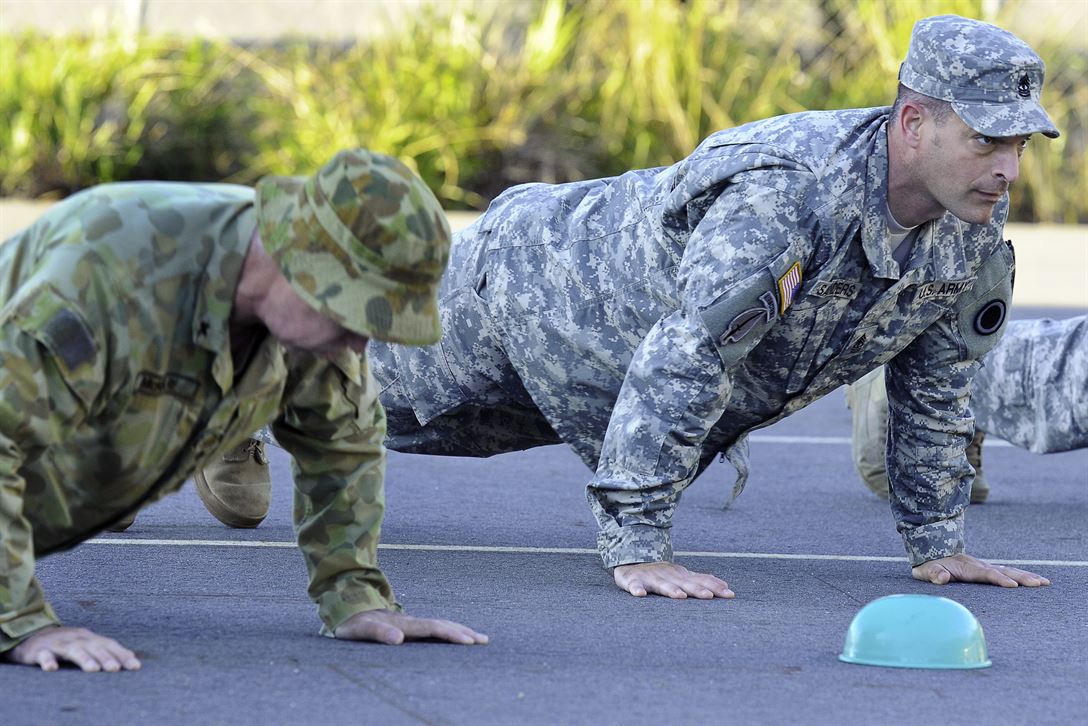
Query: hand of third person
[
  {"x": 965, "y": 568},
  {"x": 669, "y": 579},
  {"x": 89, "y": 651},
  {"x": 386, "y": 626}
]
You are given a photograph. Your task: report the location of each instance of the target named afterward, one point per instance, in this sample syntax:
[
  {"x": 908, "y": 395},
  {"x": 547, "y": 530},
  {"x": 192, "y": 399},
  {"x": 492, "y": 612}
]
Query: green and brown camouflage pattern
[
  {"x": 363, "y": 241},
  {"x": 117, "y": 382}
]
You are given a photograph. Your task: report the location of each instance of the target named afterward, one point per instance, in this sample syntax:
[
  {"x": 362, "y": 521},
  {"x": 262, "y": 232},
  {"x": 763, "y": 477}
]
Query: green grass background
[{"x": 476, "y": 101}]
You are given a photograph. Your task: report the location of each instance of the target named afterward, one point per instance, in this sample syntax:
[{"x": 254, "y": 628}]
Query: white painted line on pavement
[
  {"x": 761, "y": 439},
  {"x": 546, "y": 551}
]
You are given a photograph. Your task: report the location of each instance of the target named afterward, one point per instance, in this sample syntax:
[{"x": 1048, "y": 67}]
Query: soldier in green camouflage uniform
[
  {"x": 653, "y": 320},
  {"x": 147, "y": 328},
  {"x": 1032, "y": 391}
]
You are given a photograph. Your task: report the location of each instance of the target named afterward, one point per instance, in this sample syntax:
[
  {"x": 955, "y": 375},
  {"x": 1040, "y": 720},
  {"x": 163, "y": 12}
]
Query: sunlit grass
[{"x": 475, "y": 101}]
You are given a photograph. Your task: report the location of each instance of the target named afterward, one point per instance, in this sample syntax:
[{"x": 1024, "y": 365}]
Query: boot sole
[{"x": 219, "y": 510}]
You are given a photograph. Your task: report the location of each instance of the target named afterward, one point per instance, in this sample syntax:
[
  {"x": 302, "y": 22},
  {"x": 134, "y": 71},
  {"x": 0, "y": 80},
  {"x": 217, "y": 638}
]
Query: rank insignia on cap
[
  {"x": 1023, "y": 88},
  {"x": 788, "y": 285}
]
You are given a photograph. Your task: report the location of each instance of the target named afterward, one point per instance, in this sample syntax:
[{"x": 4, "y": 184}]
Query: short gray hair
[{"x": 937, "y": 108}]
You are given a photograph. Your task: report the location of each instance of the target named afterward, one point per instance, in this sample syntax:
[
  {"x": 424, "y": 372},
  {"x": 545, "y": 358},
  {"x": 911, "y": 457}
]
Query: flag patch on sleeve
[{"x": 788, "y": 285}]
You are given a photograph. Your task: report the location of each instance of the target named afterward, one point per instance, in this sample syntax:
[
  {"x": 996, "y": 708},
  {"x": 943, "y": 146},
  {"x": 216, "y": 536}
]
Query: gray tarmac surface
[{"x": 227, "y": 635}]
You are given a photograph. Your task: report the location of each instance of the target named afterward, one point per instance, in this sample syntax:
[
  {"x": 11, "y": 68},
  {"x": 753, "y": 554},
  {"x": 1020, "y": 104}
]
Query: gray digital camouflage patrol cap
[
  {"x": 363, "y": 241},
  {"x": 992, "y": 78}
]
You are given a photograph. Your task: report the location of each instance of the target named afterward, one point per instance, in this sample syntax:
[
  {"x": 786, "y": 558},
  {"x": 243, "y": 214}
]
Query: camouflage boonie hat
[
  {"x": 363, "y": 241},
  {"x": 992, "y": 78}
]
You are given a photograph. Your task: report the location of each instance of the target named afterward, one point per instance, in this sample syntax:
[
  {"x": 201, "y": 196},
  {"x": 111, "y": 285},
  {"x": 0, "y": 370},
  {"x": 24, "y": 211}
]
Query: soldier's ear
[{"x": 909, "y": 121}]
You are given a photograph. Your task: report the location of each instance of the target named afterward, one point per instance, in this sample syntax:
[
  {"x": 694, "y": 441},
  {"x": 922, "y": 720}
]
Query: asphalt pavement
[{"x": 221, "y": 619}]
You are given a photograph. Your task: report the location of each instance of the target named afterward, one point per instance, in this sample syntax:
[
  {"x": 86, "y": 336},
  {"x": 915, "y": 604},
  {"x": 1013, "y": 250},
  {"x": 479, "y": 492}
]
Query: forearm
[
  {"x": 339, "y": 468},
  {"x": 673, "y": 394},
  {"x": 23, "y": 609}
]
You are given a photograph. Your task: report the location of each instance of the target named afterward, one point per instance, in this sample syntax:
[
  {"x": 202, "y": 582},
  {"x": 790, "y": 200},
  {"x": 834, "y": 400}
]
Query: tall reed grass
[{"x": 477, "y": 100}]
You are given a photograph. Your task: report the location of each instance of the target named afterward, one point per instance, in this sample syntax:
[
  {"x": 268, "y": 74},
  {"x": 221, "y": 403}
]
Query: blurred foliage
[{"x": 478, "y": 100}]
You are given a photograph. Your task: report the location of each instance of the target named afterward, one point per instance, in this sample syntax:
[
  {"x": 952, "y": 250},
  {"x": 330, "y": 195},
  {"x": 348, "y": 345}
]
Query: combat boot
[
  {"x": 979, "y": 488},
  {"x": 868, "y": 401},
  {"x": 237, "y": 490},
  {"x": 122, "y": 524}
]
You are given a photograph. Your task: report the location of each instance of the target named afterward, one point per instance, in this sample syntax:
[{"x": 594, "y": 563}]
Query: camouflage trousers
[
  {"x": 461, "y": 396},
  {"x": 1033, "y": 389}
]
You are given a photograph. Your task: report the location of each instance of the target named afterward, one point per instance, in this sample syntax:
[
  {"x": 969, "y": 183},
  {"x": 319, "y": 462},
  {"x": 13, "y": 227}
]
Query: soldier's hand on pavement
[
  {"x": 89, "y": 651},
  {"x": 669, "y": 579},
  {"x": 965, "y": 568},
  {"x": 386, "y": 626}
]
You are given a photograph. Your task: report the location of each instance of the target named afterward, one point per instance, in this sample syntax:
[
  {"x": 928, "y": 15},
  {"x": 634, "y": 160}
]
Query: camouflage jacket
[
  {"x": 117, "y": 382},
  {"x": 657, "y": 317}
]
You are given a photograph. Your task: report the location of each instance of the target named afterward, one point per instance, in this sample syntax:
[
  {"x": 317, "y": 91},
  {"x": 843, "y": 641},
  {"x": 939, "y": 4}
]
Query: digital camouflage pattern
[
  {"x": 1031, "y": 391},
  {"x": 117, "y": 382},
  {"x": 364, "y": 241},
  {"x": 654, "y": 319},
  {"x": 993, "y": 79}
]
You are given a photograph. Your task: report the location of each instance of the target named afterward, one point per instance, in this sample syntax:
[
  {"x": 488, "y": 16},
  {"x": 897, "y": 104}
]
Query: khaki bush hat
[{"x": 363, "y": 241}]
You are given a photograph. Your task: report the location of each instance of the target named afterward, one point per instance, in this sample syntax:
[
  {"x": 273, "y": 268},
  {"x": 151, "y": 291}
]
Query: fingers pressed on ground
[
  {"x": 83, "y": 659},
  {"x": 1025, "y": 578},
  {"x": 47, "y": 661},
  {"x": 126, "y": 657},
  {"x": 103, "y": 657}
]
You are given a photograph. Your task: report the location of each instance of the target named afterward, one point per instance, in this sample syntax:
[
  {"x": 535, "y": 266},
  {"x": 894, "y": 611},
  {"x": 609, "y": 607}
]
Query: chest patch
[
  {"x": 942, "y": 289},
  {"x": 836, "y": 288},
  {"x": 171, "y": 384}
]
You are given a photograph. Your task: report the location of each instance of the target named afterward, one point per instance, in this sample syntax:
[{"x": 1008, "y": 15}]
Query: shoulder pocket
[
  {"x": 982, "y": 312},
  {"x": 61, "y": 328},
  {"x": 738, "y": 319}
]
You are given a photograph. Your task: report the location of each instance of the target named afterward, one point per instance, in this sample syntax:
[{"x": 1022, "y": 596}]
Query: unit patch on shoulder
[
  {"x": 788, "y": 285},
  {"x": 69, "y": 338},
  {"x": 743, "y": 323}
]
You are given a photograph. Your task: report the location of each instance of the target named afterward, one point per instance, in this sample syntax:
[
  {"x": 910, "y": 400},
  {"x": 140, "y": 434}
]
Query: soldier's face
[
  {"x": 966, "y": 172},
  {"x": 300, "y": 327}
]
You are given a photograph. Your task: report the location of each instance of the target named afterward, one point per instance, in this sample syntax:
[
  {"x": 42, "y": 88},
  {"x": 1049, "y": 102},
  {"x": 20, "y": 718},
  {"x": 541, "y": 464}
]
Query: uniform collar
[
  {"x": 874, "y": 227},
  {"x": 939, "y": 242},
  {"x": 215, "y": 299}
]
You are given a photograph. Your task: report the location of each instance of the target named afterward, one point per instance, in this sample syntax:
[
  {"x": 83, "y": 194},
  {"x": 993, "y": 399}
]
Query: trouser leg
[
  {"x": 1033, "y": 387},
  {"x": 868, "y": 401}
]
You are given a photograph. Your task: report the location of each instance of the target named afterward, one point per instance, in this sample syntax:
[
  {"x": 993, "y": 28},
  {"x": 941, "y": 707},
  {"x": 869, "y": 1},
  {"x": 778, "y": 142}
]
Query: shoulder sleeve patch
[
  {"x": 982, "y": 312},
  {"x": 68, "y": 337},
  {"x": 742, "y": 316}
]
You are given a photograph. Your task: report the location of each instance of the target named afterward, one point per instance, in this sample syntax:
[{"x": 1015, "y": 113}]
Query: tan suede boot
[
  {"x": 868, "y": 401},
  {"x": 237, "y": 490},
  {"x": 979, "y": 488}
]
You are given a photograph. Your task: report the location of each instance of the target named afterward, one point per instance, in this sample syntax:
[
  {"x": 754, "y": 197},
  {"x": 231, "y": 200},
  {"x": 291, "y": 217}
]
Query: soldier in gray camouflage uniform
[
  {"x": 1032, "y": 391},
  {"x": 653, "y": 320},
  {"x": 147, "y": 328}
]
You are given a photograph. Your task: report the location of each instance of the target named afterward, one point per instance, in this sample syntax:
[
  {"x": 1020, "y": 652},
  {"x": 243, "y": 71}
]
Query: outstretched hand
[
  {"x": 965, "y": 568},
  {"x": 386, "y": 626},
  {"x": 669, "y": 579},
  {"x": 89, "y": 651}
]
